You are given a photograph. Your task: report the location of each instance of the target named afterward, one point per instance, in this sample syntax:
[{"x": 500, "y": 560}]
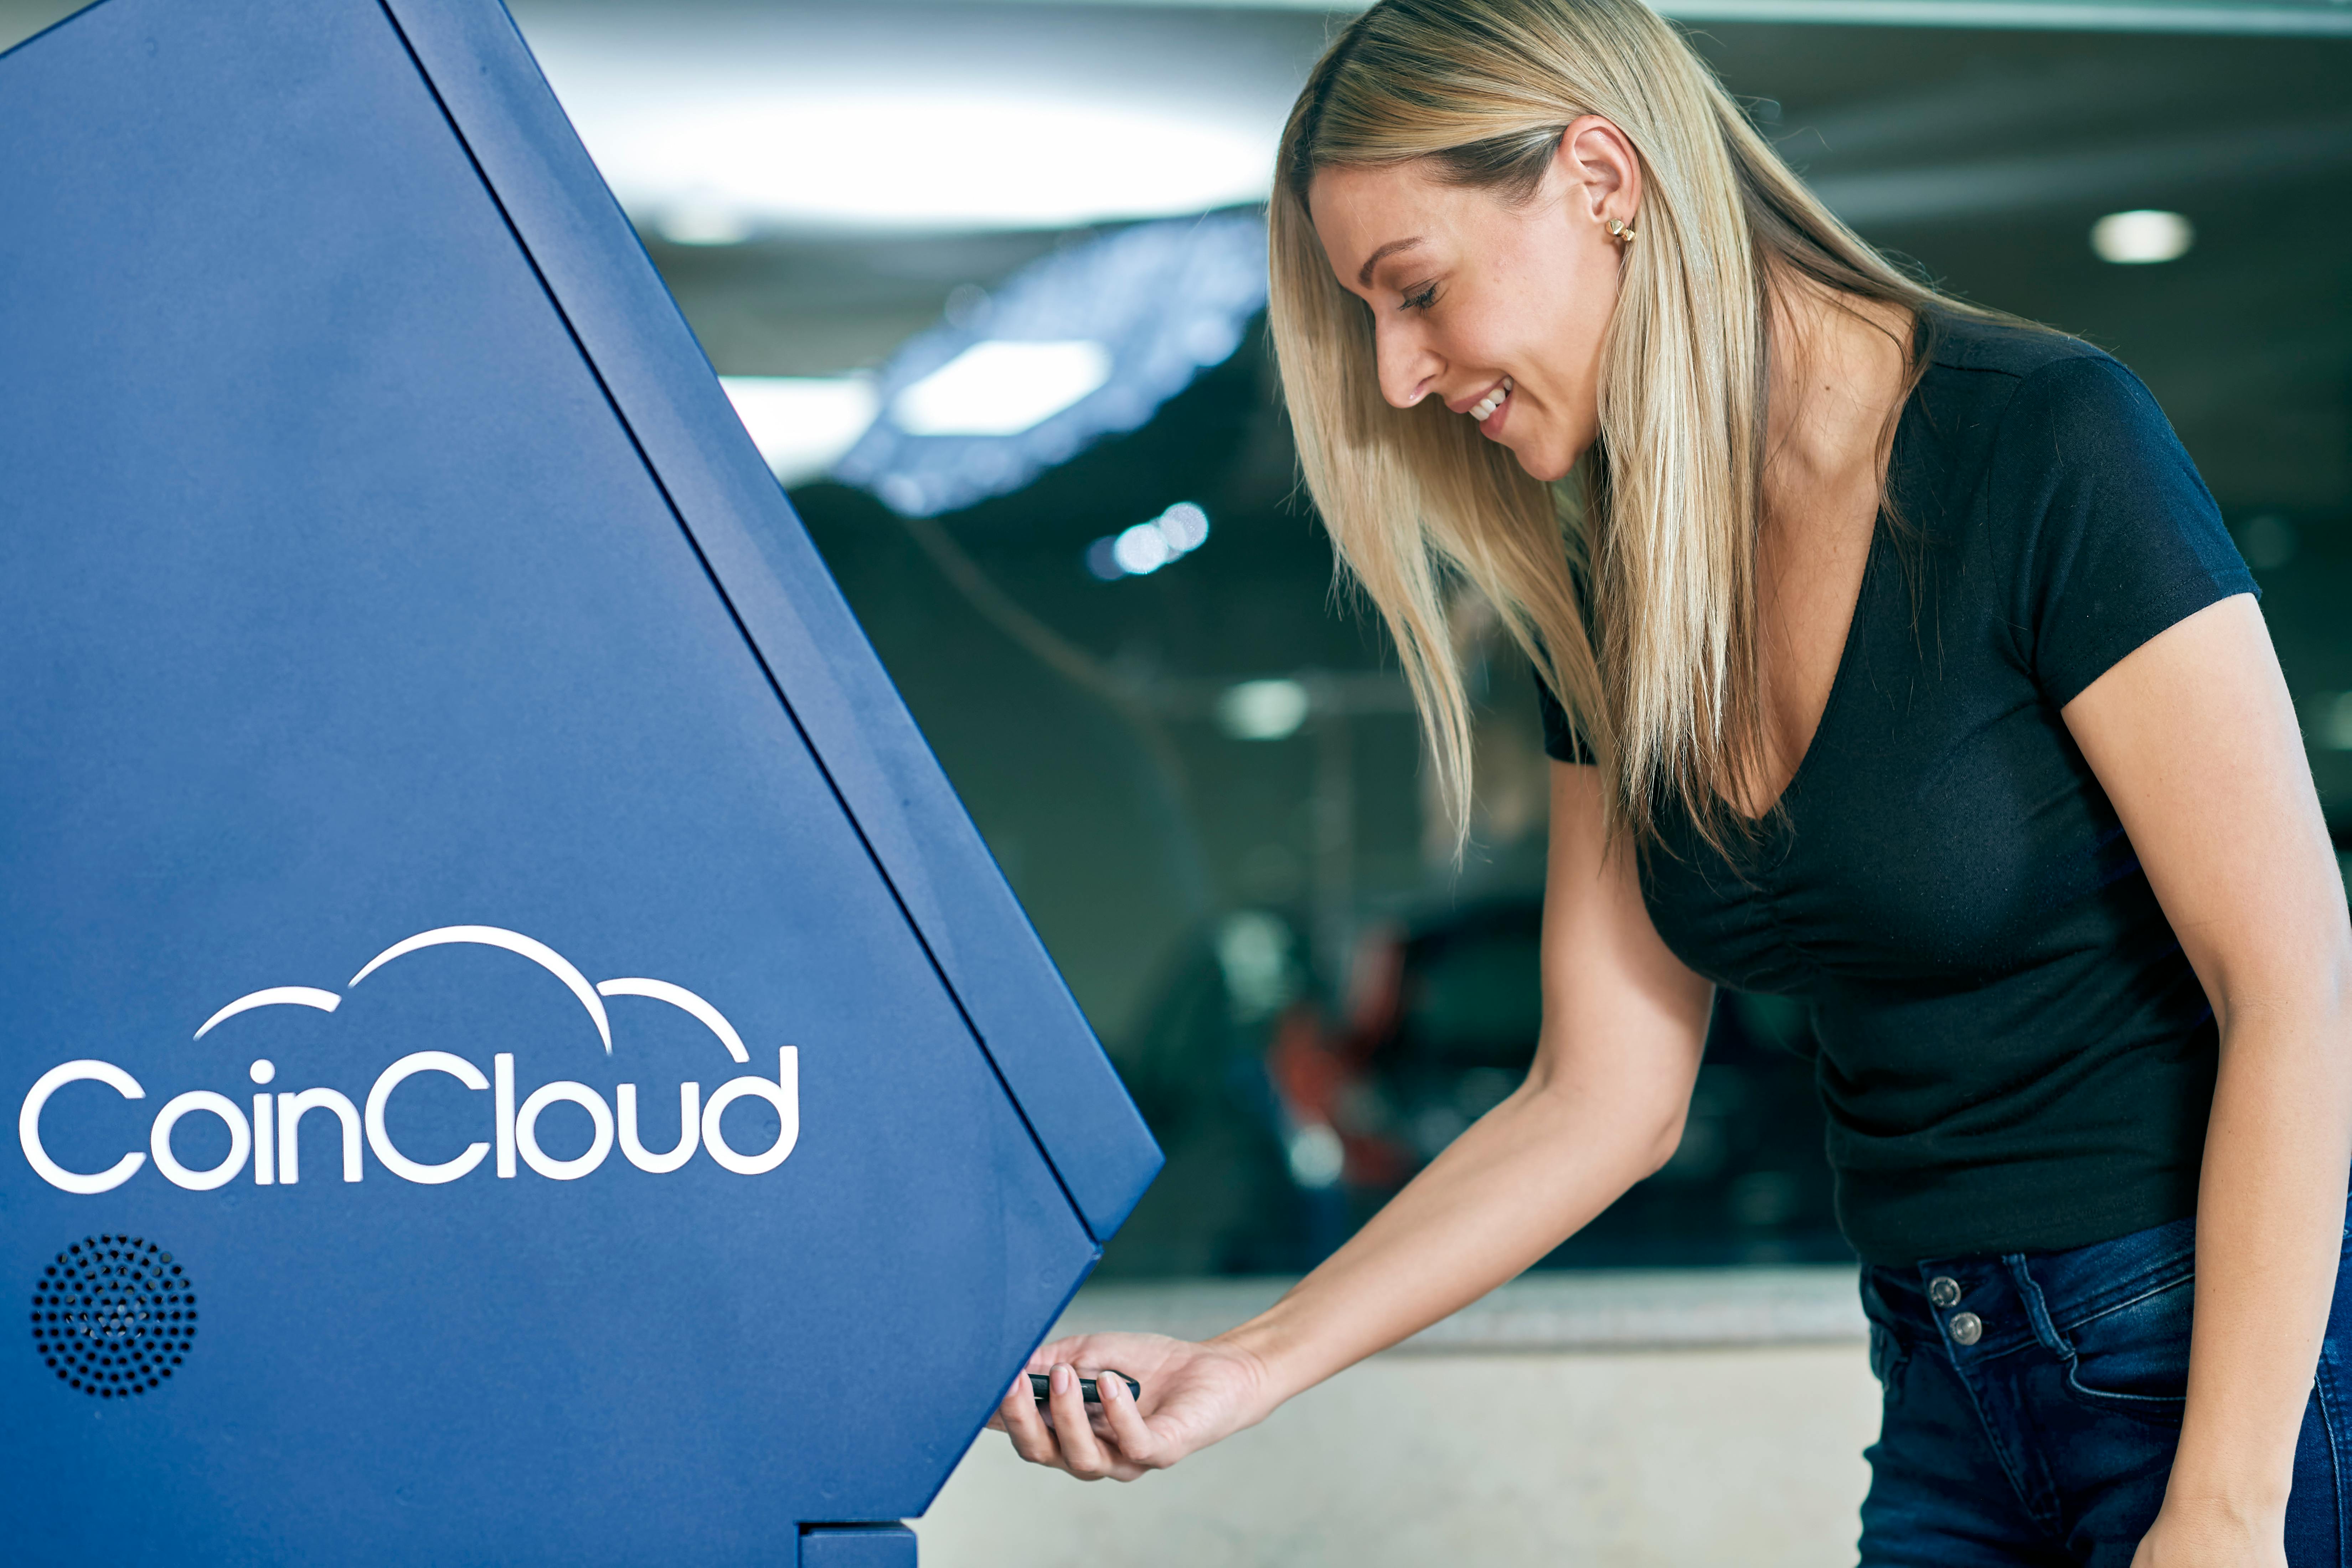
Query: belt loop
[{"x": 2037, "y": 1310}]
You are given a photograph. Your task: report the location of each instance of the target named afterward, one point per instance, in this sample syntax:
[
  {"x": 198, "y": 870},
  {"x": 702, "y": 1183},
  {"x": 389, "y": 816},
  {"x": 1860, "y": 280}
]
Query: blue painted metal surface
[
  {"x": 859, "y": 1546},
  {"x": 379, "y": 559},
  {"x": 779, "y": 591}
]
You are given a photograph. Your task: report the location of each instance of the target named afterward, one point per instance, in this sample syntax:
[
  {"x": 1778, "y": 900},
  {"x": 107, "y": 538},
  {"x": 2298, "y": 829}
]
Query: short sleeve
[
  {"x": 2121, "y": 539},
  {"x": 1561, "y": 742}
]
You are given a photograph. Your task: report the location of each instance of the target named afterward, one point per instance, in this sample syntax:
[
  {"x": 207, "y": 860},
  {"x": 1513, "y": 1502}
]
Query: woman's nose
[{"x": 1408, "y": 370}]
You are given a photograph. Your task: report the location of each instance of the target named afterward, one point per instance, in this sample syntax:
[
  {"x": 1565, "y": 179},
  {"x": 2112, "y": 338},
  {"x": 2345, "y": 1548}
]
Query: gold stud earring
[{"x": 1620, "y": 230}]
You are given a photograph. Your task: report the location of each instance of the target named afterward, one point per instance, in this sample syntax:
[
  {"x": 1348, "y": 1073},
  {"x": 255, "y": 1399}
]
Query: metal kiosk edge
[{"x": 427, "y": 714}]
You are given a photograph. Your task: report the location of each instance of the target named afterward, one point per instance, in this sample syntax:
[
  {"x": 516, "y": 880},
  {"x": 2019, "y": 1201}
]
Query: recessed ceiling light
[
  {"x": 1144, "y": 549},
  {"x": 1000, "y": 388},
  {"x": 1262, "y": 710},
  {"x": 1185, "y": 525},
  {"x": 2142, "y": 235},
  {"x": 2268, "y": 541},
  {"x": 707, "y": 224},
  {"x": 2331, "y": 721}
]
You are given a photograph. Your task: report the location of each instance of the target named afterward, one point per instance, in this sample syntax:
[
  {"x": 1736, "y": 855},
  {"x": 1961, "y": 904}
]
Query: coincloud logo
[{"x": 270, "y": 1138}]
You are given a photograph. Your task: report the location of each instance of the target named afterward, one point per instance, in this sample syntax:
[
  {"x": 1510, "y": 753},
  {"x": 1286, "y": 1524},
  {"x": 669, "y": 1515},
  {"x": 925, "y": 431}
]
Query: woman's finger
[
  {"x": 1082, "y": 1454},
  {"x": 1137, "y": 1444},
  {"x": 1001, "y": 1418},
  {"x": 1031, "y": 1438}
]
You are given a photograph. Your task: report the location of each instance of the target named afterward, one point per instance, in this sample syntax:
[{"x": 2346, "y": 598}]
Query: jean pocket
[
  {"x": 2319, "y": 1509},
  {"x": 2134, "y": 1359},
  {"x": 1886, "y": 1356}
]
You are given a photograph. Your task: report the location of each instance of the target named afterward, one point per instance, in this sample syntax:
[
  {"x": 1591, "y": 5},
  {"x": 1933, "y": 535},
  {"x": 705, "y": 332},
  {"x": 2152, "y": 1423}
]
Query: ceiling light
[
  {"x": 708, "y": 224},
  {"x": 1317, "y": 1157},
  {"x": 802, "y": 425},
  {"x": 1089, "y": 339},
  {"x": 1185, "y": 527},
  {"x": 1261, "y": 710},
  {"x": 2142, "y": 235},
  {"x": 929, "y": 160},
  {"x": 1144, "y": 549},
  {"x": 999, "y": 388},
  {"x": 1140, "y": 551},
  {"x": 2330, "y": 726},
  {"x": 2268, "y": 541}
]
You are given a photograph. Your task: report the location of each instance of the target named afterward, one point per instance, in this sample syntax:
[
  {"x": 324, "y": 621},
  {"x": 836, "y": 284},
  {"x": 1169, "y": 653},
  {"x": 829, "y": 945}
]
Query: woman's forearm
[
  {"x": 1624, "y": 1022},
  {"x": 2269, "y": 1227},
  {"x": 1522, "y": 1179}
]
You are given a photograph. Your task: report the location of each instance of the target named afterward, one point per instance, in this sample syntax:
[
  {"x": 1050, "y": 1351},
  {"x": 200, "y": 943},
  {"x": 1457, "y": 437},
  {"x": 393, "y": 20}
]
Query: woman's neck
[
  {"x": 1840, "y": 366},
  {"x": 1838, "y": 371}
]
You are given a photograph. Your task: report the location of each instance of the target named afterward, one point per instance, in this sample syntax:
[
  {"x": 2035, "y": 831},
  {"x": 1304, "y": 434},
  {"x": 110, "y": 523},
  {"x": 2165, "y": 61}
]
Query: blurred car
[
  {"x": 1226, "y": 1202},
  {"x": 1290, "y": 1117},
  {"x": 1442, "y": 1026}
]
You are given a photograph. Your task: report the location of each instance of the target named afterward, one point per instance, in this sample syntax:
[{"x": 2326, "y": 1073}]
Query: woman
[{"x": 1896, "y": 658}]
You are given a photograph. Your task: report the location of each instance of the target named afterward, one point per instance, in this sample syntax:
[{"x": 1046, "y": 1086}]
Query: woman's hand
[
  {"x": 2190, "y": 1536},
  {"x": 1193, "y": 1395},
  {"x": 1625, "y": 1021}
]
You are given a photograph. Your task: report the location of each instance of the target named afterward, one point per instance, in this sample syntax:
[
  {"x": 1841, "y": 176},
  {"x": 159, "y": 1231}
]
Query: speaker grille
[{"x": 114, "y": 1316}]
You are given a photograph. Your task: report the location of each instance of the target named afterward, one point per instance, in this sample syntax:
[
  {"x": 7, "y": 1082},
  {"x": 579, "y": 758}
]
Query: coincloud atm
[{"x": 519, "y": 1056}]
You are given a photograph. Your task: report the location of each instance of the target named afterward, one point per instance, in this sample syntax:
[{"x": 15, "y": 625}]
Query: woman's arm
[
  {"x": 1603, "y": 1107},
  {"x": 2194, "y": 738}
]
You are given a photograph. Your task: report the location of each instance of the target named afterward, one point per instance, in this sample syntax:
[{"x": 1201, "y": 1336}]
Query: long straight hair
[{"x": 1656, "y": 533}]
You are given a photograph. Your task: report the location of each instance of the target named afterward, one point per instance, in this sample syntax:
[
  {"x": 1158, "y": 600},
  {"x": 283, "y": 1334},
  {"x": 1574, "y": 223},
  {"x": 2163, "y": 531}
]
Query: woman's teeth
[{"x": 1492, "y": 401}]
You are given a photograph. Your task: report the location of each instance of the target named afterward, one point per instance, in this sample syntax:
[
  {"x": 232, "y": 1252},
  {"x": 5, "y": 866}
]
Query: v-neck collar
[
  {"x": 1838, "y": 681},
  {"x": 1774, "y": 810}
]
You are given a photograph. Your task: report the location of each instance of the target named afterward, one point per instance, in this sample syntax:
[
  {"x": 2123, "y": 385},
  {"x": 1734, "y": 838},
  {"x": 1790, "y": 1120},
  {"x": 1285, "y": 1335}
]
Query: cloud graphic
[
  {"x": 680, "y": 996},
  {"x": 275, "y": 996},
  {"x": 539, "y": 953}
]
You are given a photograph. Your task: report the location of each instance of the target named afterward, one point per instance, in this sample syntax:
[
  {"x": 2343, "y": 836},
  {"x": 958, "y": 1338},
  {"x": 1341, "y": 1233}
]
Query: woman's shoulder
[
  {"x": 2043, "y": 396},
  {"x": 2007, "y": 352},
  {"x": 2067, "y": 481},
  {"x": 2002, "y": 345}
]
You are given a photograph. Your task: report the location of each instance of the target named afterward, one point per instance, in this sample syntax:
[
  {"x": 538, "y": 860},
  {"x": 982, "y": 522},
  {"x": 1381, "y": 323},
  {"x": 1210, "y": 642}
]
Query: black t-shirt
[{"x": 2015, "y": 1053}]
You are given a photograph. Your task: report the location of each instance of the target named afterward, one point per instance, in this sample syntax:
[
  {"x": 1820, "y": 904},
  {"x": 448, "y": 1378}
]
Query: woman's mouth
[{"x": 1490, "y": 405}]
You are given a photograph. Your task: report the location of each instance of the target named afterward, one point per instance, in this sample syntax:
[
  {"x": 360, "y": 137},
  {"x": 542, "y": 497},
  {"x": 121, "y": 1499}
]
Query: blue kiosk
[{"x": 520, "y": 1057}]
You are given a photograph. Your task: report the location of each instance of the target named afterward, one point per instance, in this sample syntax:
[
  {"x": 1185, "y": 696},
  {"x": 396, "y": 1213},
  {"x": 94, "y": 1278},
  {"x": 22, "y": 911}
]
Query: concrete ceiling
[{"x": 905, "y": 148}]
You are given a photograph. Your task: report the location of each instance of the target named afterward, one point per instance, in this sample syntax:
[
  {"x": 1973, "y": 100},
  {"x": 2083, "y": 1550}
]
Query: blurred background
[{"x": 986, "y": 281}]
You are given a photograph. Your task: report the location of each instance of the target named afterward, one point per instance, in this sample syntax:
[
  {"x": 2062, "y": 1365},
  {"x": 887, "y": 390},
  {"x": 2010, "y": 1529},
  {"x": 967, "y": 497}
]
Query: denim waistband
[{"x": 1999, "y": 1302}]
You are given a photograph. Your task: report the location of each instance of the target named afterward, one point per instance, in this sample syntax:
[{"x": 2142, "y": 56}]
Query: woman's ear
[{"x": 1598, "y": 173}]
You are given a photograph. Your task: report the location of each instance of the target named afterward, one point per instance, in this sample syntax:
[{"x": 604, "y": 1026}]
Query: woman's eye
[{"x": 1422, "y": 298}]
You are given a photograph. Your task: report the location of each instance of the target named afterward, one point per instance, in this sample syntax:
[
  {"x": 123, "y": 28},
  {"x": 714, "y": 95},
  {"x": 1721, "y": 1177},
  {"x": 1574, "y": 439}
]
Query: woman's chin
[
  {"x": 1547, "y": 459},
  {"x": 1549, "y": 467}
]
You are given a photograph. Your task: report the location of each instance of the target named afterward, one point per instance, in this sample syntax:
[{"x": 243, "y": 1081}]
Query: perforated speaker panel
[{"x": 114, "y": 1316}]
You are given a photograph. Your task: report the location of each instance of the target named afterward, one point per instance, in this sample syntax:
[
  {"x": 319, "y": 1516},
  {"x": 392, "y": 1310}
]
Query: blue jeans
[{"x": 2032, "y": 1403}]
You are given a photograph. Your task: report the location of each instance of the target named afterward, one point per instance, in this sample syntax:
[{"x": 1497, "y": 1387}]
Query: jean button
[
  {"x": 1944, "y": 1290},
  {"x": 1967, "y": 1327}
]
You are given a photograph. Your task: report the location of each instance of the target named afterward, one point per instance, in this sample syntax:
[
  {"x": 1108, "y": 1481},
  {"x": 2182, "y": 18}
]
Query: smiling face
[{"x": 1497, "y": 309}]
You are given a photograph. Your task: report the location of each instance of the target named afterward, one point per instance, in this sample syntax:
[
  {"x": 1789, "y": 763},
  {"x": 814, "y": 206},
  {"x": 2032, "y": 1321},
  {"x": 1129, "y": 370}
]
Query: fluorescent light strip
[
  {"x": 715, "y": 161},
  {"x": 2321, "y": 20},
  {"x": 2037, "y": 15},
  {"x": 997, "y": 388}
]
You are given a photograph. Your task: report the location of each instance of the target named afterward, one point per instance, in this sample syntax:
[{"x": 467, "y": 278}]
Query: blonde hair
[{"x": 1659, "y": 537}]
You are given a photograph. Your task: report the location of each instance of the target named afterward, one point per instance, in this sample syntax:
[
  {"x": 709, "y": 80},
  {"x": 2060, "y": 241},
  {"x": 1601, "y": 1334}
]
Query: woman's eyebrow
[{"x": 1364, "y": 276}]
